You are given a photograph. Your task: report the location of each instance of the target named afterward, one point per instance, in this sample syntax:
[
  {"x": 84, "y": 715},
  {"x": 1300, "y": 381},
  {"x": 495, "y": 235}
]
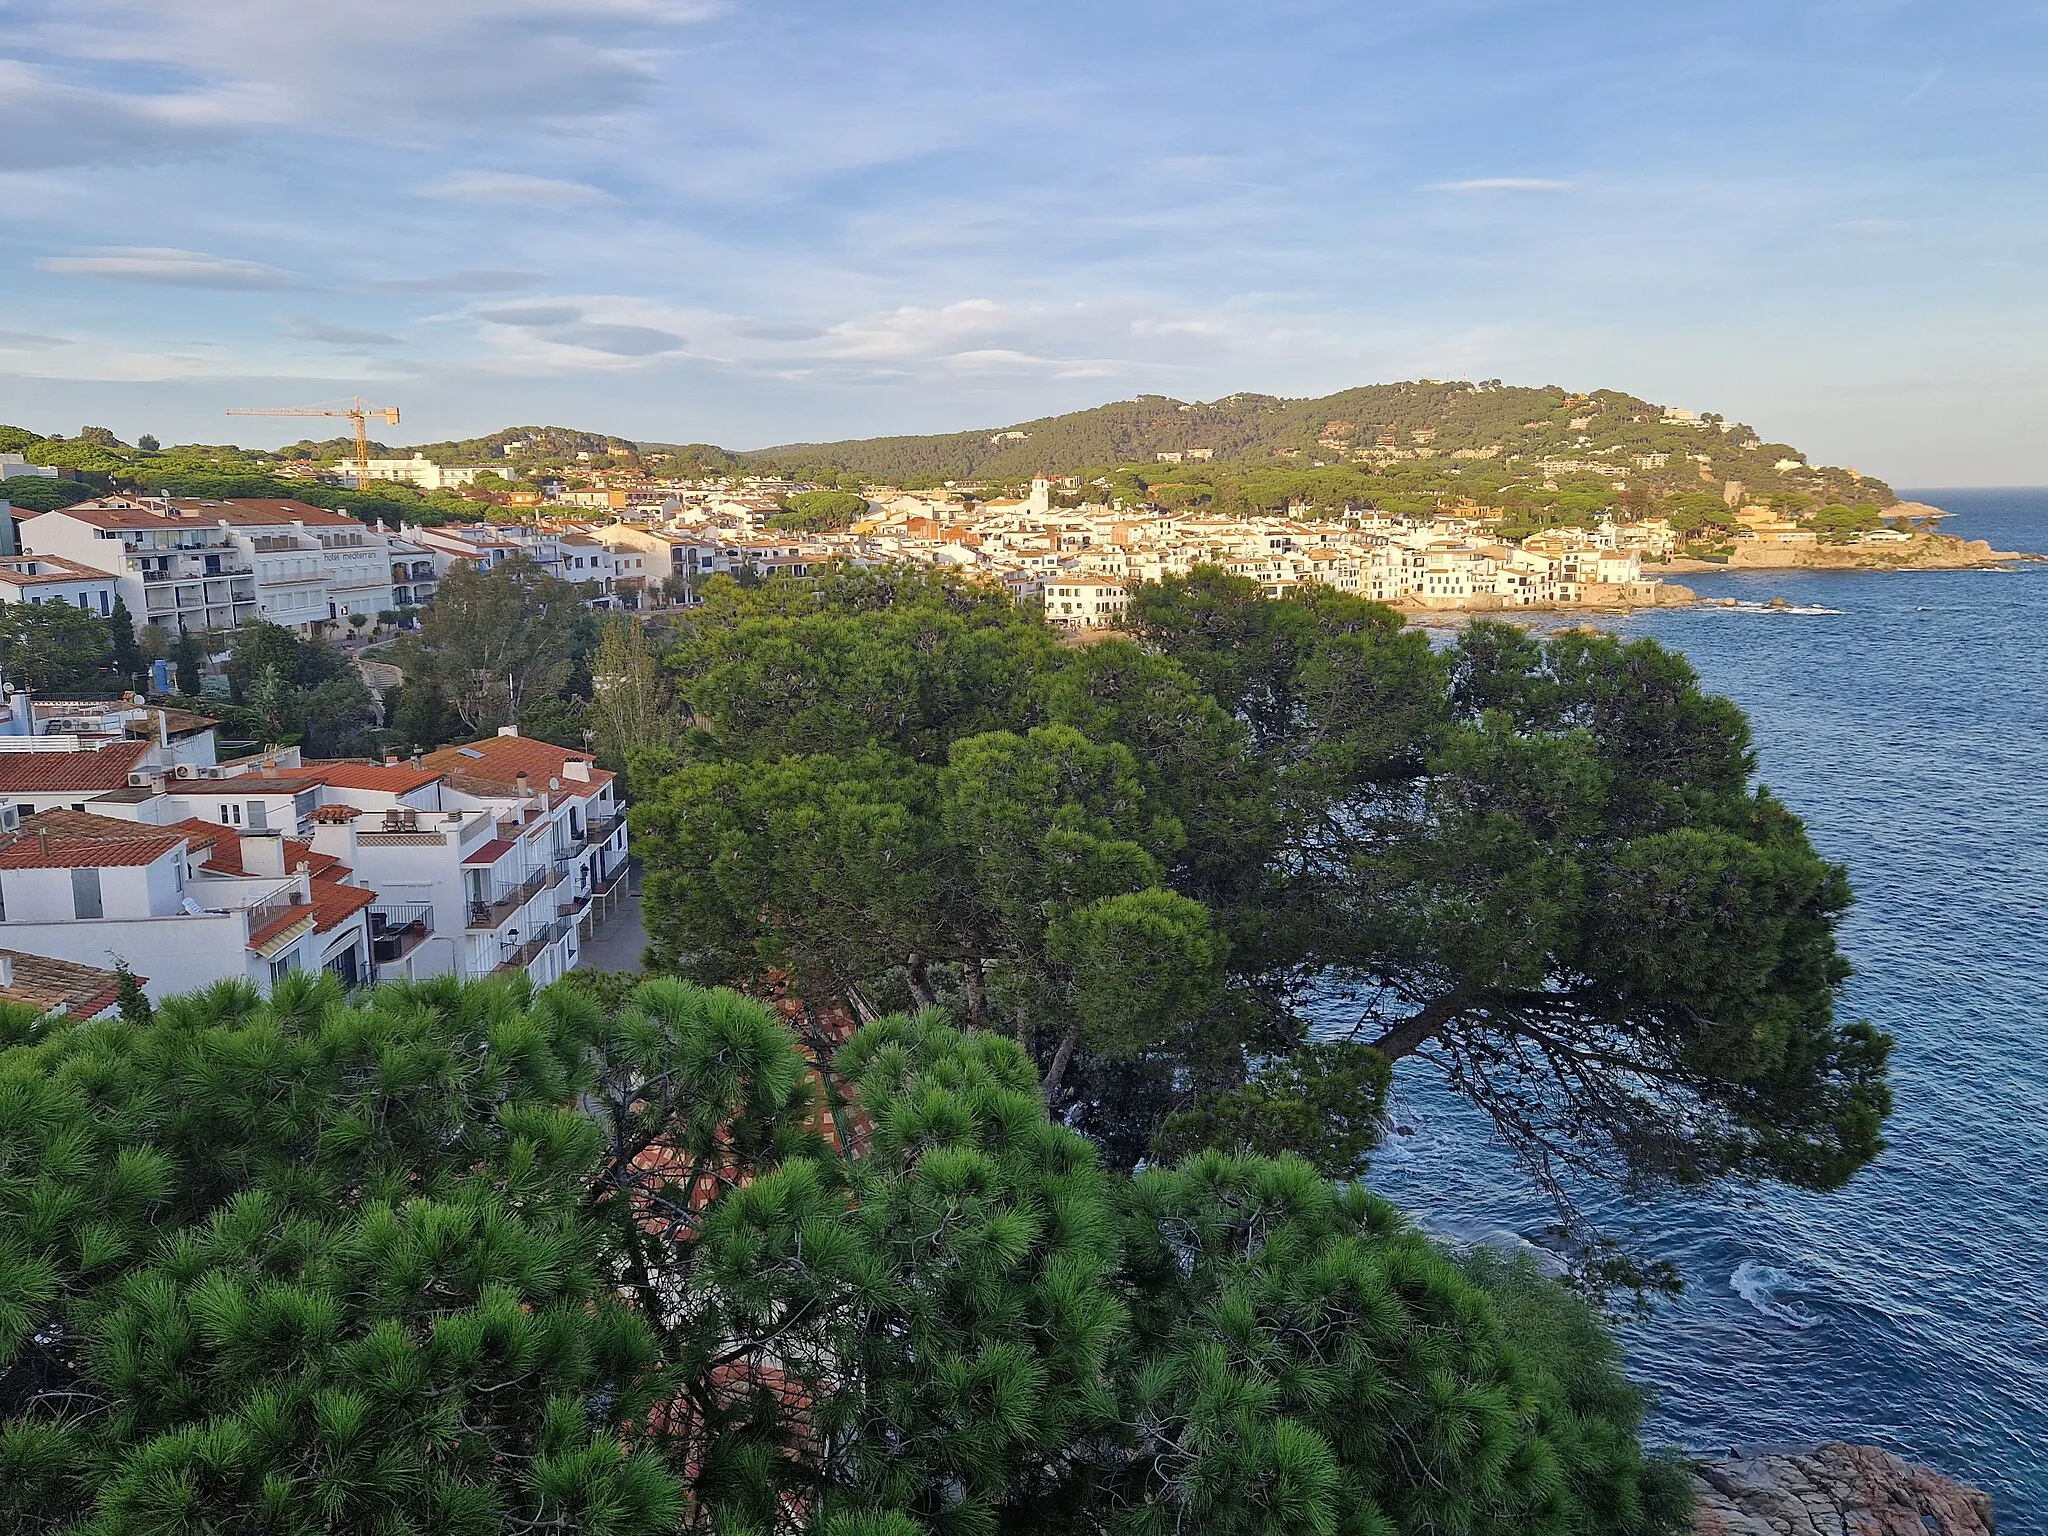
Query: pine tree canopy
[
  {"x": 1537, "y": 867},
  {"x": 437, "y": 1258}
]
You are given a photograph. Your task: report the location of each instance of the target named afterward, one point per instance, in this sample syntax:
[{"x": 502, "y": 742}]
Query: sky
[{"x": 752, "y": 222}]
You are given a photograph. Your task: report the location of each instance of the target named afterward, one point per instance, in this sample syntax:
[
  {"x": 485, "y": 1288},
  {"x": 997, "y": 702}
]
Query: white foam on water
[{"x": 1759, "y": 1284}]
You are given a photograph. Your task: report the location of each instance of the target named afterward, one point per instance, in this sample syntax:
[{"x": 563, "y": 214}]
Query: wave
[
  {"x": 1760, "y": 1285},
  {"x": 1746, "y": 605}
]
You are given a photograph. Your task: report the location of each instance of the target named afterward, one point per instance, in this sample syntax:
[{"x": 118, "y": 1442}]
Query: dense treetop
[
  {"x": 445, "y": 1259},
  {"x": 1537, "y": 867}
]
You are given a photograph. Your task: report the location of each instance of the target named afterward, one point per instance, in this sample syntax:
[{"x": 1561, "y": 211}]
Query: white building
[
  {"x": 40, "y": 579},
  {"x": 184, "y": 906},
  {"x": 189, "y": 564},
  {"x": 179, "y": 572},
  {"x": 1085, "y": 602},
  {"x": 417, "y": 470}
]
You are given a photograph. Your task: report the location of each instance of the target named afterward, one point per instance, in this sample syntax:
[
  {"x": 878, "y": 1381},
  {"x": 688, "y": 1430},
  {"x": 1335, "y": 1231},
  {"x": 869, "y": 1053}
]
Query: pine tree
[{"x": 461, "y": 1258}]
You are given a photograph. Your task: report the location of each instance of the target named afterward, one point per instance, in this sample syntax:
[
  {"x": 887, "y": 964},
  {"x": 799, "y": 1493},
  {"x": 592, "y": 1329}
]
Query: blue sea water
[{"x": 1908, "y": 725}]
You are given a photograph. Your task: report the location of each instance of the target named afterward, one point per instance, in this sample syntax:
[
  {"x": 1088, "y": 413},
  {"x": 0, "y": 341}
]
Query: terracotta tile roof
[
  {"x": 46, "y": 570},
  {"x": 244, "y": 784},
  {"x": 336, "y": 813},
  {"x": 397, "y": 779},
  {"x": 334, "y": 903},
  {"x": 491, "y": 852},
  {"x": 48, "y": 985},
  {"x": 103, "y": 768},
  {"x": 255, "y": 511},
  {"x": 112, "y": 517},
  {"x": 494, "y": 764},
  {"x": 32, "y": 849},
  {"x": 317, "y": 864}
]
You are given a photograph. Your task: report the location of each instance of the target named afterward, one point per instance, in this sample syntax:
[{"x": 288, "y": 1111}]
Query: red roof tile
[
  {"x": 496, "y": 762},
  {"x": 99, "y": 770},
  {"x": 397, "y": 779},
  {"x": 334, "y": 903},
  {"x": 491, "y": 852}
]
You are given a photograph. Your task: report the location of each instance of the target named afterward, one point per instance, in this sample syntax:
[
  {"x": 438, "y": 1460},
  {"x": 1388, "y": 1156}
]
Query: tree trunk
[
  {"x": 1060, "y": 1058},
  {"x": 1409, "y": 1036},
  {"x": 977, "y": 998},
  {"x": 920, "y": 987}
]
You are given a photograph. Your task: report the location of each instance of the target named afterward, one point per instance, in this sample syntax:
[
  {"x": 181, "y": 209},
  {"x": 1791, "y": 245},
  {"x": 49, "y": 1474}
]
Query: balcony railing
[
  {"x": 399, "y": 929},
  {"x": 525, "y": 954},
  {"x": 602, "y": 827},
  {"x": 485, "y": 915},
  {"x": 267, "y": 911}
]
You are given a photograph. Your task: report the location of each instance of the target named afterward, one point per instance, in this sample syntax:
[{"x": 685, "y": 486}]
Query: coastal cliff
[{"x": 1833, "y": 1490}]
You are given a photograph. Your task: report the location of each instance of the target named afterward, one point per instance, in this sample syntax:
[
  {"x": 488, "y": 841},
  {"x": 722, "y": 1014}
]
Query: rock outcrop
[{"x": 1833, "y": 1490}]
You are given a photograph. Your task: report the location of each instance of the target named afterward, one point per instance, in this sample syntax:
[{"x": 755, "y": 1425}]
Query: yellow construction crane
[{"x": 354, "y": 409}]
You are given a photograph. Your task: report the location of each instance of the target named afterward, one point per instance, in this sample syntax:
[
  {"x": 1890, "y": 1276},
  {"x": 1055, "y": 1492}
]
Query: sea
[{"x": 1905, "y": 718}]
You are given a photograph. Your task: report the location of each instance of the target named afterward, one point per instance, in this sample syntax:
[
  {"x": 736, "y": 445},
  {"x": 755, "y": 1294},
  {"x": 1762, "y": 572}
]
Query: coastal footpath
[{"x": 1833, "y": 1490}]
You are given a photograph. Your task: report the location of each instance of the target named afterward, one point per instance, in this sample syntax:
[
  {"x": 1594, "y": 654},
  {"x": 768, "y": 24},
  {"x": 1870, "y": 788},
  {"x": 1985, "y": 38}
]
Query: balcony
[
  {"x": 399, "y": 929},
  {"x": 487, "y": 915},
  {"x": 602, "y": 827},
  {"x": 520, "y": 957}
]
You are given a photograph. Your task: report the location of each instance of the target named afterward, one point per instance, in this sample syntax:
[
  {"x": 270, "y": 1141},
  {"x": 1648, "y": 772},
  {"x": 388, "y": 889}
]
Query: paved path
[{"x": 618, "y": 944}]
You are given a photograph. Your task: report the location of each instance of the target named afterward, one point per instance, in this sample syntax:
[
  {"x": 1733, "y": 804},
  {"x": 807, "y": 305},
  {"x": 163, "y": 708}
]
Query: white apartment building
[
  {"x": 39, "y": 579},
  {"x": 1085, "y": 602},
  {"x": 173, "y": 570},
  {"x": 189, "y": 564},
  {"x": 414, "y": 576},
  {"x": 184, "y": 906},
  {"x": 417, "y": 470}
]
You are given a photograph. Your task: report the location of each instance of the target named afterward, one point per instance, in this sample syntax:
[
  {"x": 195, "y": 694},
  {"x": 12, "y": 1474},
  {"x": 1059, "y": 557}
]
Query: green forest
[
  {"x": 1538, "y": 456},
  {"x": 962, "y": 1161}
]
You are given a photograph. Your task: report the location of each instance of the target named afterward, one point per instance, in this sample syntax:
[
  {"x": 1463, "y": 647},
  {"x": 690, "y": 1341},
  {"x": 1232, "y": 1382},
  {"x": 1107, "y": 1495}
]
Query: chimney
[
  {"x": 508, "y": 730},
  {"x": 415, "y": 759},
  {"x": 262, "y": 855},
  {"x": 578, "y": 768},
  {"x": 520, "y": 783},
  {"x": 6, "y": 969},
  {"x": 269, "y": 769},
  {"x": 43, "y": 838},
  {"x": 390, "y": 759}
]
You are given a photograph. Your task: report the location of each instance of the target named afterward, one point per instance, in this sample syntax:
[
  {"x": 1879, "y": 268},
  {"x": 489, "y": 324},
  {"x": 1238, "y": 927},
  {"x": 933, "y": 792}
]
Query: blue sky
[{"x": 751, "y": 222}]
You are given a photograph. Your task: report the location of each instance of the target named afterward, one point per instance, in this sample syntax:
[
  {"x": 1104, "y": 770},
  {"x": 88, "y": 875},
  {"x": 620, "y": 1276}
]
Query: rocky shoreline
[
  {"x": 1926, "y": 552},
  {"x": 1833, "y": 1489}
]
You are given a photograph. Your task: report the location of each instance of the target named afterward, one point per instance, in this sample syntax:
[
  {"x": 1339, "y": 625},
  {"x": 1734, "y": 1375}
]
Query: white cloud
[
  {"x": 470, "y": 281},
  {"x": 306, "y": 328},
  {"x": 169, "y": 266},
  {"x": 508, "y": 187},
  {"x": 371, "y": 69},
  {"x": 29, "y": 341},
  {"x": 47, "y": 124},
  {"x": 1503, "y": 184}
]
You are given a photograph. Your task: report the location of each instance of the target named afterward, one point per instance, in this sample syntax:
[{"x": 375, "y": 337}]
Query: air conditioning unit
[
  {"x": 10, "y": 818},
  {"x": 139, "y": 780},
  {"x": 187, "y": 771}
]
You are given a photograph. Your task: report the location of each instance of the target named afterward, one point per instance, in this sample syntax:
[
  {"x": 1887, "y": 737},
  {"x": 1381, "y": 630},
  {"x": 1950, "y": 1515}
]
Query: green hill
[{"x": 1488, "y": 429}]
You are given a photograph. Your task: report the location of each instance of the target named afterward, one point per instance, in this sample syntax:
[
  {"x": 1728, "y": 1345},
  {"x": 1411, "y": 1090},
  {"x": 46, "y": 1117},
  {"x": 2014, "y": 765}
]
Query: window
[
  {"x": 279, "y": 969},
  {"x": 85, "y": 894},
  {"x": 106, "y": 609},
  {"x": 259, "y": 816},
  {"x": 230, "y": 814}
]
